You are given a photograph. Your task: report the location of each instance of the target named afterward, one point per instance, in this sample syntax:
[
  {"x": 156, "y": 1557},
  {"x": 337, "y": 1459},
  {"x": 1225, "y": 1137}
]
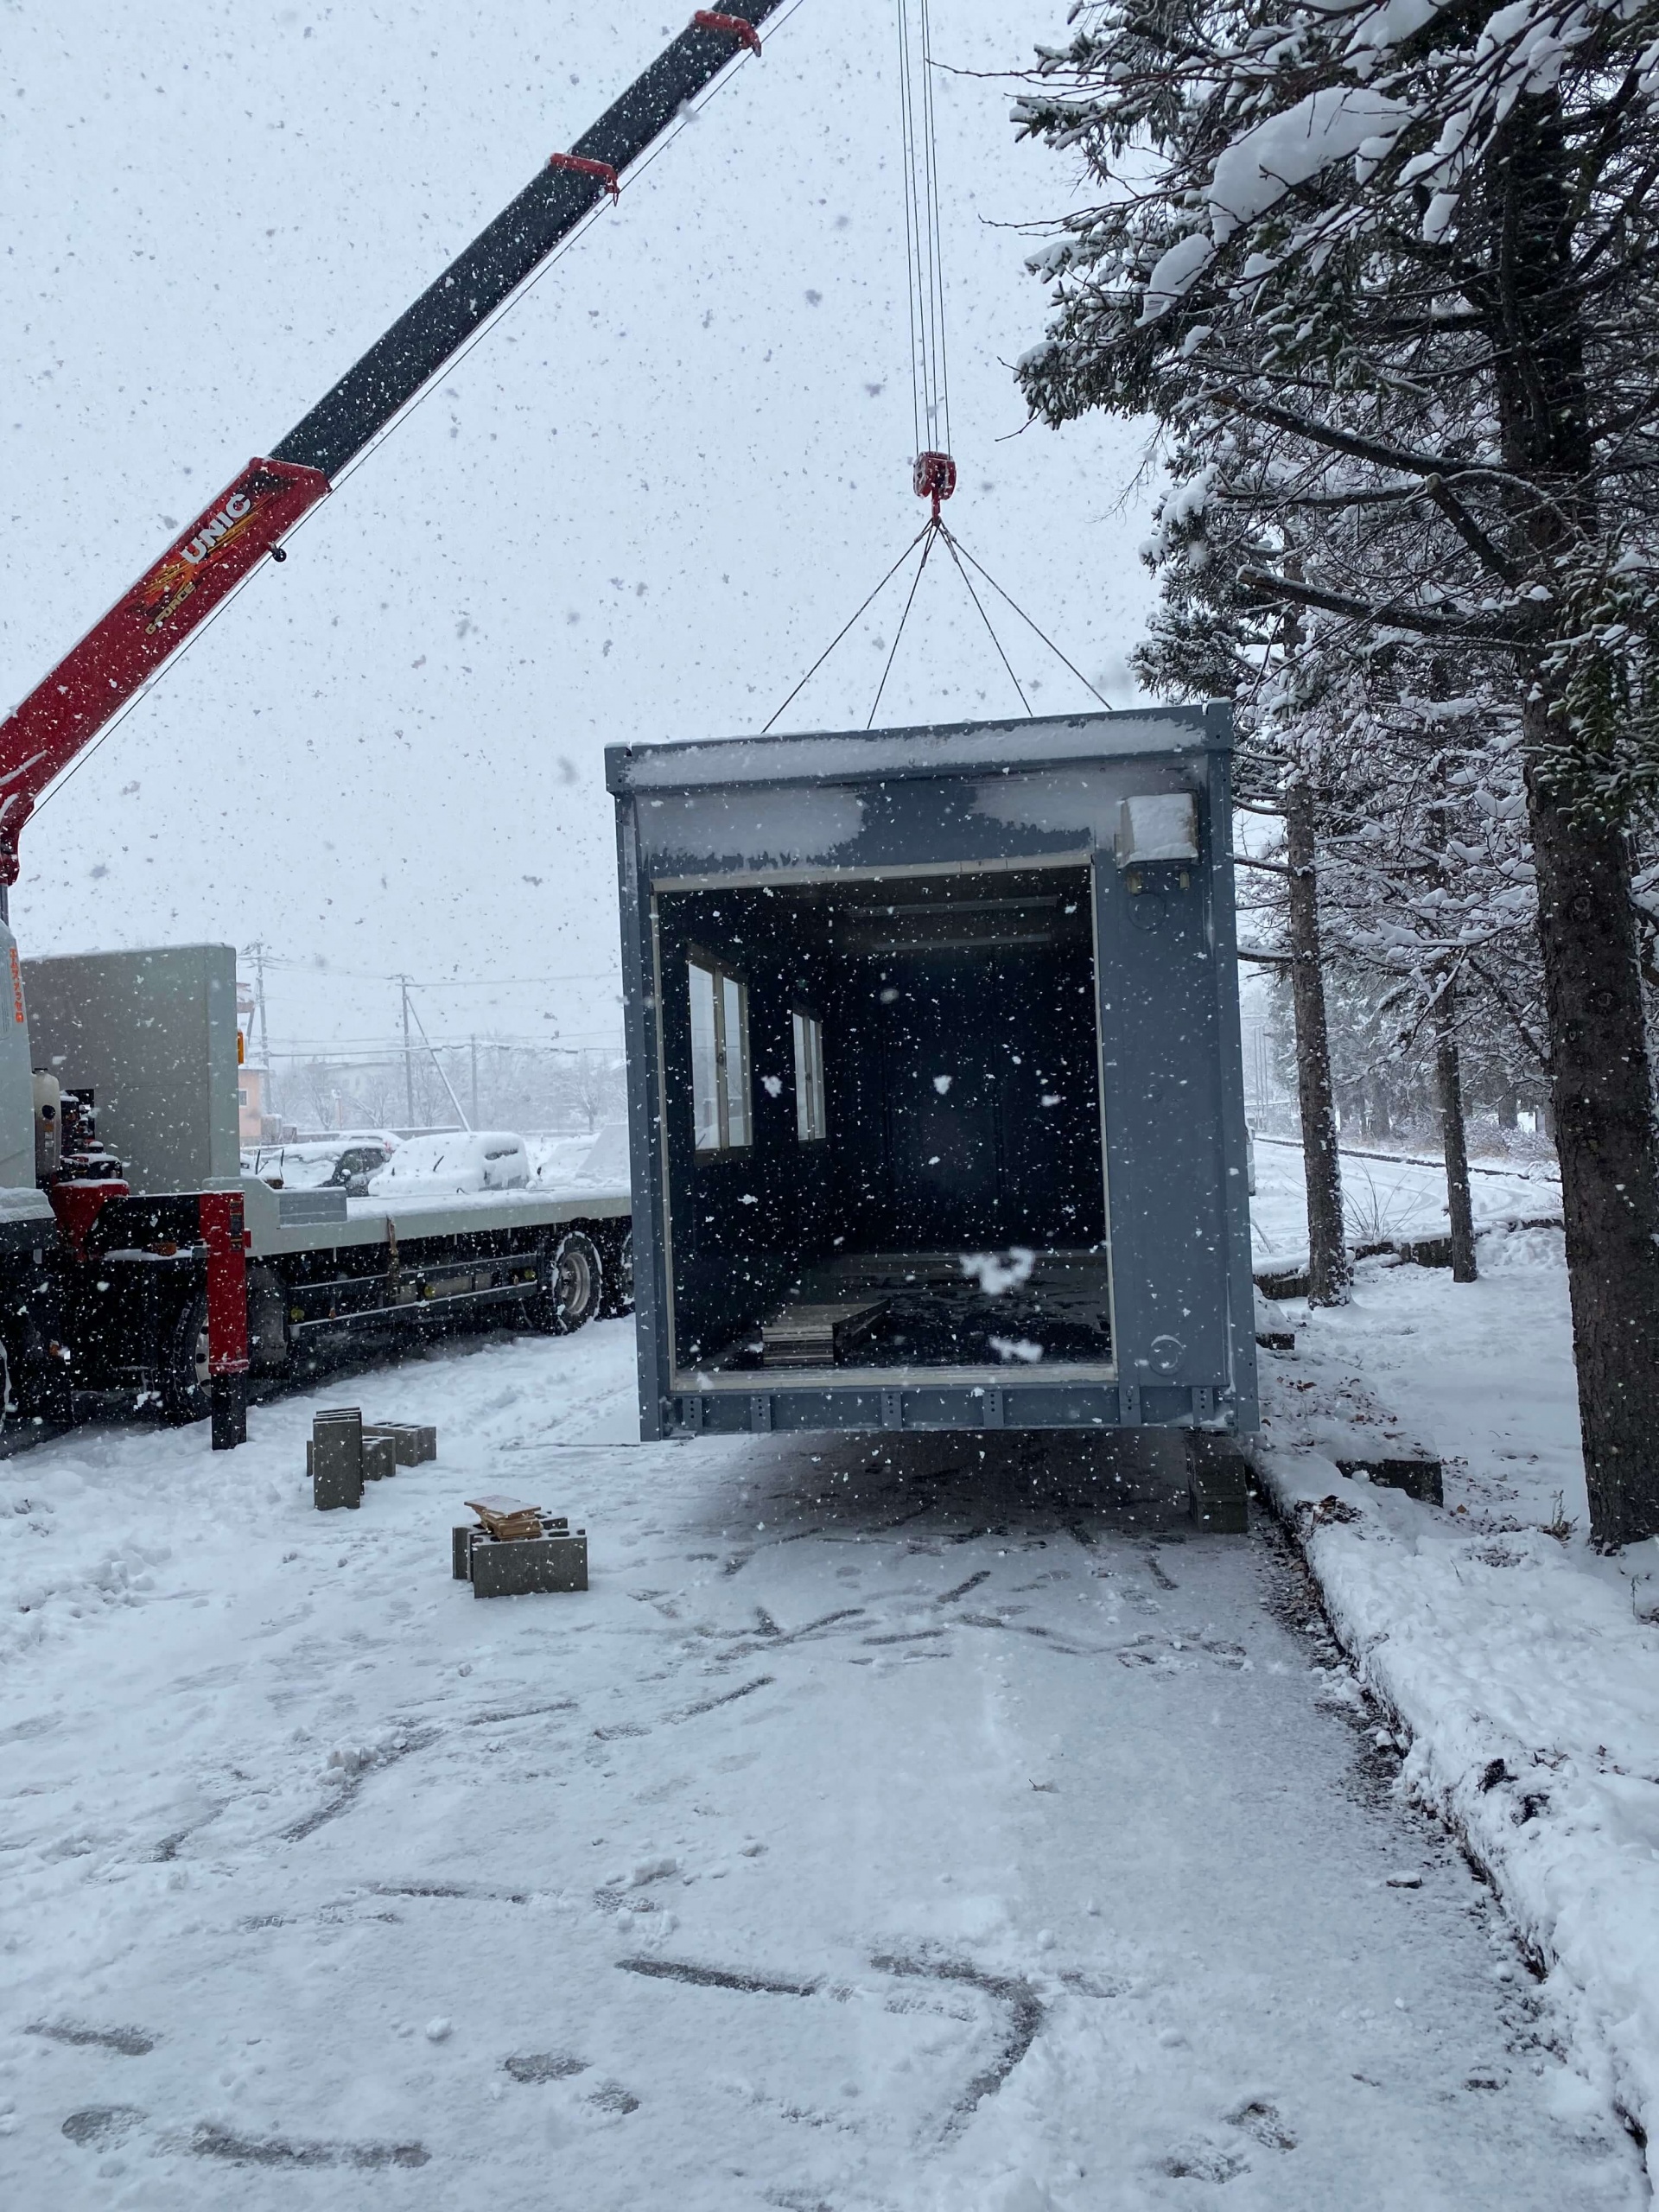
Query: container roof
[{"x": 934, "y": 749}]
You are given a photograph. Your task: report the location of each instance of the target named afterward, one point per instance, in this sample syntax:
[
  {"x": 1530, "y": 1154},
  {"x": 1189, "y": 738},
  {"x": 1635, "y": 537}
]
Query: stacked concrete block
[
  {"x": 334, "y": 1459},
  {"x": 345, "y": 1452},
  {"x": 412, "y": 1443},
  {"x": 520, "y": 1566},
  {"x": 379, "y": 1457}
]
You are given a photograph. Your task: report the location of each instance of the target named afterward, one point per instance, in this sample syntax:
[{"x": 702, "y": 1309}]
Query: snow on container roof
[{"x": 936, "y": 749}]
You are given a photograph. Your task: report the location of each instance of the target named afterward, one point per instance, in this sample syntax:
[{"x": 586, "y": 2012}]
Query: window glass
[
  {"x": 720, "y": 1057},
  {"x": 735, "y": 1052},
  {"x": 811, "y": 1121},
  {"x": 705, "y": 1064}
]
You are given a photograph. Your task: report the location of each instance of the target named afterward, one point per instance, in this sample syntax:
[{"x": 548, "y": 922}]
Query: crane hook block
[
  {"x": 934, "y": 478},
  {"x": 706, "y": 19},
  {"x": 583, "y": 167}
]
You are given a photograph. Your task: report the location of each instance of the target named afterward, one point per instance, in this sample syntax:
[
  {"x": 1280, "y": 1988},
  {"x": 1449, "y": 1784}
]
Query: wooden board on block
[{"x": 508, "y": 1519}]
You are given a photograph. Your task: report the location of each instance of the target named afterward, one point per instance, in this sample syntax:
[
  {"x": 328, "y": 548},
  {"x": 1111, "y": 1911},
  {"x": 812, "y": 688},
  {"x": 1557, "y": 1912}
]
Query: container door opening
[{"x": 913, "y": 1063}]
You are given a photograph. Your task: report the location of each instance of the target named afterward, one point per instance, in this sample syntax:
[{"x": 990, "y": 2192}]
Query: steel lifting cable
[
  {"x": 951, "y": 548},
  {"x": 935, "y": 233},
  {"x": 934, "y": 469},
  {"x": 957, "y": 546},
  {"x": 923, "y": 532},
  {"x": 935, "y": 472},
  {"x": 929, "y": 531}
]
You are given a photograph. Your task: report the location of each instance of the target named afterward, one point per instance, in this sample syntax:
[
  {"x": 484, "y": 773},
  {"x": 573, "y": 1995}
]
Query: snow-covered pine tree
[{"x": 1383, "y": 260}]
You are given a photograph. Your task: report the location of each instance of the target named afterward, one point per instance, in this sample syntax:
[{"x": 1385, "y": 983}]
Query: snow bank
[{"x": 1525, "y": 1670}]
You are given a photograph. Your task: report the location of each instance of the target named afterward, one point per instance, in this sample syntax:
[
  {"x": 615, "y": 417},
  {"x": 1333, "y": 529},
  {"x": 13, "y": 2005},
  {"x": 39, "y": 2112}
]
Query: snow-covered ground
[
  {"x": 1386, "y": 1199},
  {"x": 1524, "y": 1668},
  {"x": 886, "y": 1827}
]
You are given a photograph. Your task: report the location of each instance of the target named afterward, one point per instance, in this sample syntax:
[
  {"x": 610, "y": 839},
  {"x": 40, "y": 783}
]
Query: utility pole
[
  {"x": 257, "y": 953},
  {"x": 474, "y": 1046},
  {"x": 259, "y": 1002},
  {"x": 409, "y": 1056}
]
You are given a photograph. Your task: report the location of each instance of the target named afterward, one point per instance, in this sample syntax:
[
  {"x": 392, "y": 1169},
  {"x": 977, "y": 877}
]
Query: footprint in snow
[
  {"x": 1202, "y": 2159},
  {"x": 94, "y": 2126},
  {"x": 131, "y": 2042},
  {"x": 611, "y": 2096},
  {"x": 1263, "y": 2121},
  {"x": 532, "y": 2067}
]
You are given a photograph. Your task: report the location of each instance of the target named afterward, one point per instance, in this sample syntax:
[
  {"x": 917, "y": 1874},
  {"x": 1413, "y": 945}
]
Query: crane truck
[{"x": 157, "y": 1267}]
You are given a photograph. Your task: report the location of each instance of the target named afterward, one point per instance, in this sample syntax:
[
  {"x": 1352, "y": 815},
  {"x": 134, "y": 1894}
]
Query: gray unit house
[{"x": 936, "y": 1097}]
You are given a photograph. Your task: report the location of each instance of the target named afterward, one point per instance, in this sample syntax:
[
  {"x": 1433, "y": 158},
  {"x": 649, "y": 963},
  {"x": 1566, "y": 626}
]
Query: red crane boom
[{"x": 249, "y": 519}]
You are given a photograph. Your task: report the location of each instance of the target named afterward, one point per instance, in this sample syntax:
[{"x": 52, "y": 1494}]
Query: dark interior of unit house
[{"x": 883, "y": 1121}]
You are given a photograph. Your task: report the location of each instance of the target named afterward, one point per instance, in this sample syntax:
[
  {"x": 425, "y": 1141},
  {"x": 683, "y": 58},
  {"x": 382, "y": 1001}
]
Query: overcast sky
[{"x": 638, "y": 511}]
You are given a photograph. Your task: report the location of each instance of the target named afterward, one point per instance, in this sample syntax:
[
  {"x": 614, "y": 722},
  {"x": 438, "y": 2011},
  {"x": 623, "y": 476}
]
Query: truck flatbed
[{"x": 310, "y": 1221}]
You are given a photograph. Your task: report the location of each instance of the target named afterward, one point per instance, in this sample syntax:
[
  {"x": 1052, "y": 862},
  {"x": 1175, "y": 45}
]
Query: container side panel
[
  {"x": 645, "y": 1127},
  {"x": 153, "y": 1034},
  {"x": 1234, "y": 1138},
  {"x": 1160, "y": 1059}
]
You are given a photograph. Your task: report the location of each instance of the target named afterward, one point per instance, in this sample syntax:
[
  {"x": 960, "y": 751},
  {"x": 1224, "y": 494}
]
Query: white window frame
[
  {"x": 732, "y": 1086},
  {"x": 812, "y": 1113}
]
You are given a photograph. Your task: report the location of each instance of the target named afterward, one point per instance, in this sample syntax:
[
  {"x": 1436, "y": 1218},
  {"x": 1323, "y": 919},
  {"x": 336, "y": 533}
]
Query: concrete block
[
  {"x": 379, "y": 1457},
  {"x": 1217, "y": 1484},
  {"x": 1419, "y": 1478},
  {"x": 334, "y": 1459},
  {"x": 558, "y": 1561},
  {"x": 413, "y": 1443},
  {"x": 460, "y": 1551}
]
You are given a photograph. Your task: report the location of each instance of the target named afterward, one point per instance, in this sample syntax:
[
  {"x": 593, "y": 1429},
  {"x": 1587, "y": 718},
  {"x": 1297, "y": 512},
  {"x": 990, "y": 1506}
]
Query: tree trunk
[
  {"x": 1603, "y": 1125},
  {"x": 1600, "y": 1082},
  {"x": 1329, "y": 1271},
  {"x": 1448, "y": 1084},
  {"x": 1506, "y": 1108}
]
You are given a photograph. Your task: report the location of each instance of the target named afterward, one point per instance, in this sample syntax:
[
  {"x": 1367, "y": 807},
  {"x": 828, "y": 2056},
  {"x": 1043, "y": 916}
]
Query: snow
[
  {"x": 1175, "y": 271},
  {"x": 1289, "y": 149},
  {"x": 856, "y": 755},
  {"x": 1524, "y": 1669},
  {"x": 886, "y": 1827},
  {"x": 1158, "y": 827},
  {"x": 312, "y": 1165},
  {"x": 458, "y": 1162},
  {"x": 1262, "y": 164},
  {"x": 597, "y": 1160},
  {"x": 579, "y": 515},
  {"x": 1385, "y": 1198}
]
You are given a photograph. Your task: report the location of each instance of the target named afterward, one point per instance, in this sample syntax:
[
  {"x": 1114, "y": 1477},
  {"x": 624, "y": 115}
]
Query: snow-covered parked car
[
  {"x": 343, "y": 1163},
  {"x": 454, "y": 1164},
  {"x": 599, "y": 1159}
]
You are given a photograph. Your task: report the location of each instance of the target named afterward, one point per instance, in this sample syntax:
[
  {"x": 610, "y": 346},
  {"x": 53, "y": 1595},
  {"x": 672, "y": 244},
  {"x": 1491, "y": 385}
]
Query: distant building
[{"x": 256, "y": 1124}]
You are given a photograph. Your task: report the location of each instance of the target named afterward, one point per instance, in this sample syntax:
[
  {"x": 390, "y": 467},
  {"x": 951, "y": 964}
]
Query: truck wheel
[
  {"x": 185, "y": 1387},
  {"x": 619, "y": 1278},
  {"x": 571, "y": 1286}
]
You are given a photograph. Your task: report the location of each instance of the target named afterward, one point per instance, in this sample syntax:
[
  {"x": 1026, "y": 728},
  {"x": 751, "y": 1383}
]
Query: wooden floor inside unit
[{"x": 933, "y": 1310}]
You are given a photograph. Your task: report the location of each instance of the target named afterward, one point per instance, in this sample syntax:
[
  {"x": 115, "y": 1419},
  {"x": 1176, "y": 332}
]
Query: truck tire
[
  {"x": 185, "y": 1387},
  {"x": 619, "y": 1277},
  {"x": 572, "y": 1285}
]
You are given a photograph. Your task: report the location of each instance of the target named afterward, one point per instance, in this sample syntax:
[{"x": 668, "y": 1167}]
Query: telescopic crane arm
[{"x": 249, "y": 519}]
